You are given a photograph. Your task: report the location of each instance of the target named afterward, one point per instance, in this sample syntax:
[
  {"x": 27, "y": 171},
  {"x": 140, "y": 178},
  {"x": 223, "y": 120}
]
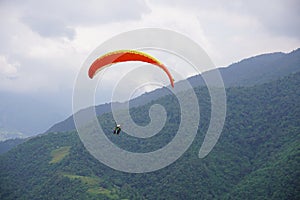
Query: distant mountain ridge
[
  {"x": 6, "y": 145},
  {"x": 248, "y": 72},
  {"x": 257, "y": 70},
  {"x": 20, "y": 112}
]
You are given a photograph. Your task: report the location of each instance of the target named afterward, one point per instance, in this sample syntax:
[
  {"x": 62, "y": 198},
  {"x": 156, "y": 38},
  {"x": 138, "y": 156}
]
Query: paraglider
[
  {"x": 123, "y": 56},
  {"x": 114, "y": 57},
  {"x": 117, "y": 129}
]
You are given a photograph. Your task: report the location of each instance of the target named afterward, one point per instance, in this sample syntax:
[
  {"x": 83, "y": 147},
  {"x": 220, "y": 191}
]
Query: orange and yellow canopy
[{"x": 124, "y": 56}]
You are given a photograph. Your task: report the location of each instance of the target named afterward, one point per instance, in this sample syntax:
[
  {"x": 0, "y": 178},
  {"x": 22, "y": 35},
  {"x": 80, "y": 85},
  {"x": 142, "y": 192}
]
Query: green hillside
[
  {"x": 9, "y": 144},
  {"x": 256, "y": 157}
]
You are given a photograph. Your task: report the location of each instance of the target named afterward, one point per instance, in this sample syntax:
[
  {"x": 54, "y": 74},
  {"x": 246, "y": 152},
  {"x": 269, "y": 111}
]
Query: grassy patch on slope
[{"x": 59, "y": 154}]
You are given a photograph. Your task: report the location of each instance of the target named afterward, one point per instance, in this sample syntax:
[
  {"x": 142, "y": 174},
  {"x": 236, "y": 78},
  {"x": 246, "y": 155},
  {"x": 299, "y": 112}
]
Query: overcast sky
[{"x": 44, "y": 43}]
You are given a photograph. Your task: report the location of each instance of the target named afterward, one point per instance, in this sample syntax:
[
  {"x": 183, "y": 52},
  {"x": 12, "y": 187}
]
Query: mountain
[
  {"x": 261, "y": 69},
  {"x": 32, "y": 113},
  {"x": 257, "y": 70},
  {"x": 256, "y": 157},
  {"x": 7, "y": 145},
  {"x": 20, "y": 112},
  {"x": 248, "y": 72},
  {"x": 68, "y": 124}
]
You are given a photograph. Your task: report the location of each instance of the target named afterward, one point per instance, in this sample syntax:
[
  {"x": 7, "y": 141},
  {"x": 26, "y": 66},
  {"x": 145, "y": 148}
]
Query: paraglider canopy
[{"x": 123, "y": 56}]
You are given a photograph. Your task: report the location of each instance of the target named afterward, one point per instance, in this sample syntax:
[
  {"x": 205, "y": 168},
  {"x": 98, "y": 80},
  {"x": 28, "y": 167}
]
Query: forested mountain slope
[{"x": 256, "y": 157}]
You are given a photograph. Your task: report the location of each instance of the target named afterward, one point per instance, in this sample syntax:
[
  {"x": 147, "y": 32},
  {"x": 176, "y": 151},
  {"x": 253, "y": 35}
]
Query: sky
[{"x": 44, "y": 43}]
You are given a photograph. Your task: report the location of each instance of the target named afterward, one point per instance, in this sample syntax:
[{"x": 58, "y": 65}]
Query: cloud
[
  {"x": 277, "y": 16},
  {"x": 51, "y": 39},
  {"x": 60, "y": 18},
  {"x": 49, "y": 27},
  {"x": 40, "y": 59},
  {"x": 48, "y": 38},
  {"x": 238, "y": 29},
  {"x": 7, "y": 70}
]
